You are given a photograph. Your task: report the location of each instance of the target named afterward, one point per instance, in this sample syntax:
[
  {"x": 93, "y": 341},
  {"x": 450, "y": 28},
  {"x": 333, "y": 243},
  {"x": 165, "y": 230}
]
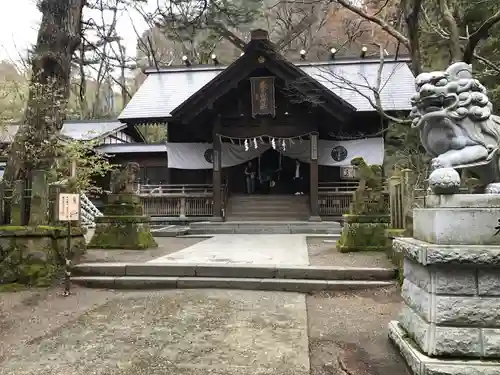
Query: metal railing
[{"x": 88, "y": 212}]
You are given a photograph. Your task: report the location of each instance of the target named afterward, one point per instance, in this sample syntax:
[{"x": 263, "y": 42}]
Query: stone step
[
  {"x": 233, "y": 271},
  {"x": 287, "y": 285},
  {"x": 266, "y": 227},
  {"x": 260, "y": 208},
  {"x": 261, "y": 205},
  {"x": 270, "y": 211},
  {"x": 257, "y": 218},
  {"x": 269, "y": 197}
]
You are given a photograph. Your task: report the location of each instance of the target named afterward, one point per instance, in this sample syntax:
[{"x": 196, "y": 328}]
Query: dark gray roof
[
  {"x": 165, "y": 89},
  {"x": 90, "y": 129},
  {"x": 82, "y": 130},
  {"x": 126, "y": 148}
]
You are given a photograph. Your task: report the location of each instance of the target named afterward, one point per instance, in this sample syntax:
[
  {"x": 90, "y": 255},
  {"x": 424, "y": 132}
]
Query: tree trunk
[
  {"x": 34, "y": 146},
  {"x": 411, "y": 9},
  {"x": 455, "y": 49}
]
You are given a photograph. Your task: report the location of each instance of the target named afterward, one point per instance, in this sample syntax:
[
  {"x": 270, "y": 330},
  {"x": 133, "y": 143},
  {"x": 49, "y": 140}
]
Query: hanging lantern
[
  {"x": 246, "y": 144},
  {"x": 255, "y": 143}
]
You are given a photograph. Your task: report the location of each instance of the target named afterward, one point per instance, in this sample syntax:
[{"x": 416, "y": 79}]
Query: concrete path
[{"x": 262, "y": 249}]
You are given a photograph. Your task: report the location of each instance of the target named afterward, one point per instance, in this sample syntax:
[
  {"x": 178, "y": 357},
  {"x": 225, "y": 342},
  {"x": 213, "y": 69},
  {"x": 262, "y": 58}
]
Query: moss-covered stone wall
[{"x": 35, "y": 255}]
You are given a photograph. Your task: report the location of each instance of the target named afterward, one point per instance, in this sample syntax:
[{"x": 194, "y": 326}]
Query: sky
[{"x": 20, "y": 20}]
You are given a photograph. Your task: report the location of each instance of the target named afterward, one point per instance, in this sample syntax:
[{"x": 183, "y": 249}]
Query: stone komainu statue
[
  {"x": 368, "y": 197},
  {"x": 457, "y": 128},
  {"x": 123, "y": 179},
  {"x": 370, "y": 176}
]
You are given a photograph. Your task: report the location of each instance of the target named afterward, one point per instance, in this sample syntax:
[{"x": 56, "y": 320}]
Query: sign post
[{"x": 69, "y": 210}]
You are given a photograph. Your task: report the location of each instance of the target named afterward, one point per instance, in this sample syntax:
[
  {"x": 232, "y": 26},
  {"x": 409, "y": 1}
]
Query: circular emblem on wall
[
  {"x": 209, "y": 155},
  {"x": 339, "y": 153}
]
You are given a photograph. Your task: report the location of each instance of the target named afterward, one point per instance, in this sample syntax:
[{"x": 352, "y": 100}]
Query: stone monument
[
  {"x": 450, "y": 322},
  {"x": 123, "y": 224}
]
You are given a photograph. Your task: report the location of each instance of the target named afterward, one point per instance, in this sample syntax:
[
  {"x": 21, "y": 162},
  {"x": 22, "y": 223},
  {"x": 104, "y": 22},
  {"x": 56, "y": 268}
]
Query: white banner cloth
[
  {"x": 370, "y": 149},
  {"x": 330, "y": 153},
  {"x": 200, "y": 155}
]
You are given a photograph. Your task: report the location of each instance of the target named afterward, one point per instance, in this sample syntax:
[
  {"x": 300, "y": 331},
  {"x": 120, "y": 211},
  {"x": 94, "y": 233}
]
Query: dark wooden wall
[{"x": 153, "y": 166}]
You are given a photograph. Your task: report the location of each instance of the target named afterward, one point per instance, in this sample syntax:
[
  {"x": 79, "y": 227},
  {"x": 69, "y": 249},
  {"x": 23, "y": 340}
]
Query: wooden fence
[
  {"x": 195, "y": 200},
  {"x": 335, "y": 198}
]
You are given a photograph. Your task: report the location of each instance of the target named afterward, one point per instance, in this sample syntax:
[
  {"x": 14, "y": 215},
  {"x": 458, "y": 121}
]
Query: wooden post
[
  {"x": 394, "y": 181},
  {"x": 183, "y": 208},
  {"x": 313, "y": 180},
  {"x": 217, "y": 178},
  {"x": 408, "y": 196}
]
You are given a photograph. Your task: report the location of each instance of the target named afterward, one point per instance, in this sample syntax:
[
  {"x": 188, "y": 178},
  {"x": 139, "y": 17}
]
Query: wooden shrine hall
[{"x": 262, "y": 137}]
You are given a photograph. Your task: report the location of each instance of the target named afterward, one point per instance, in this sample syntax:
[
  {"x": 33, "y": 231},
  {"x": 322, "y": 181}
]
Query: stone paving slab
[
  {"x": 165, "y": 246},
  {"x": 174, "y": 332},
  {"x": 290, "y": 249}
]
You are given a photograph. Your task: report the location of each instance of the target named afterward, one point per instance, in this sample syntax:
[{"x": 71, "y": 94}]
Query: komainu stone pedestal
[
  {"x": 450, "y": 321},
  {"x": 364, "y": 233},
  {"x": 123, "y": 225}
]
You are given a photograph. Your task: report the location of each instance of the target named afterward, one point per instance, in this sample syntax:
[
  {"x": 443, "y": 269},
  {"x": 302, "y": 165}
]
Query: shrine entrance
[{"x": 276, "y": 174}]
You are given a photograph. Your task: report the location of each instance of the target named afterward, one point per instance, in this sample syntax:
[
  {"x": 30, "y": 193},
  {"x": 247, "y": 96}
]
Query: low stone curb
[
  {"x": 233, "y": 271},
  {"x": 265, "y": 227},
  {"x": 289, "y": 285}
]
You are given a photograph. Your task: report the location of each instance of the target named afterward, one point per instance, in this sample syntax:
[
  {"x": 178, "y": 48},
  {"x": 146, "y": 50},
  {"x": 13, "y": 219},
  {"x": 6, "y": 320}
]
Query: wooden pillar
[
  {"x": 313, "y": 179},
  {"x": 217, "y": 178}
]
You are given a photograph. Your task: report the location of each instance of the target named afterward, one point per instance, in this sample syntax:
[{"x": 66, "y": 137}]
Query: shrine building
[{"x": 289, "y": 119}]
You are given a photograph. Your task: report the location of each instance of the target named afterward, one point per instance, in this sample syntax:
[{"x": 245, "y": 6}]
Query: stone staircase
[
  {"x": 268, "y": 208},
  {"x": 300, "y": 278}
]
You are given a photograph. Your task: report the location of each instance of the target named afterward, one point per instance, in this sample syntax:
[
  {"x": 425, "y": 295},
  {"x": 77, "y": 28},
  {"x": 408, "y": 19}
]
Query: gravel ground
[
  {"x": 176, "y": 332},
  {"x": 326, "y": 254},
  {"x": 348, "y": 333},
  {"x": 166, "y": 245},
  {"x": 198, "y": 332}
]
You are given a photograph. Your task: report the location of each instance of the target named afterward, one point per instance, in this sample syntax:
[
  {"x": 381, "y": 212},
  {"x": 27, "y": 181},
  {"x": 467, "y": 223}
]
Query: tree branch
[
  {"x": 481, "y": 33},
  {"x": 377, "y": 20}
]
